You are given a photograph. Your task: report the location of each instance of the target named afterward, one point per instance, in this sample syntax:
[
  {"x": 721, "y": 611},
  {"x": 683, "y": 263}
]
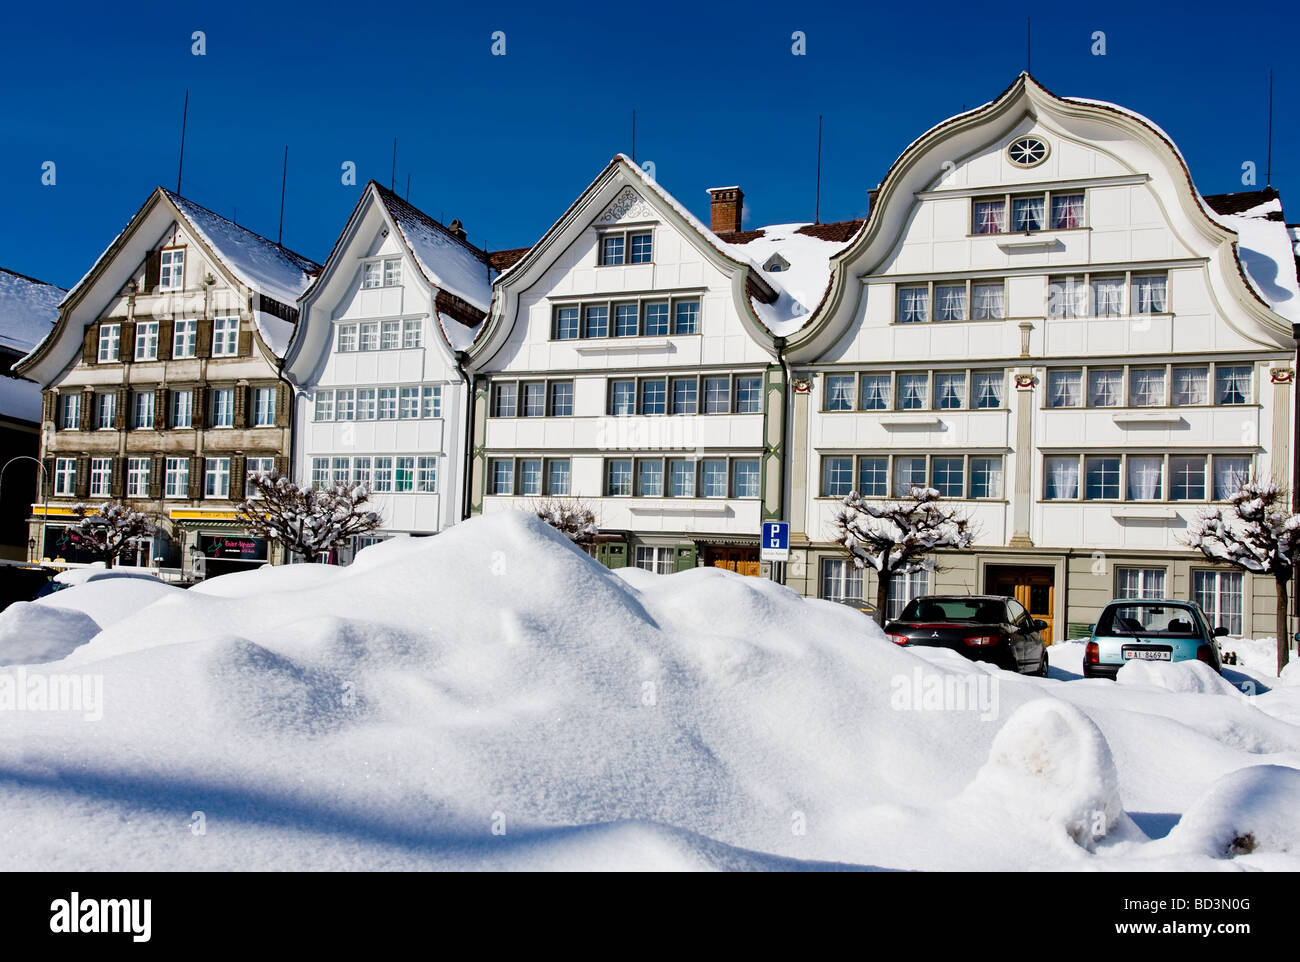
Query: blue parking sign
[{"x": 776, "y": 541}]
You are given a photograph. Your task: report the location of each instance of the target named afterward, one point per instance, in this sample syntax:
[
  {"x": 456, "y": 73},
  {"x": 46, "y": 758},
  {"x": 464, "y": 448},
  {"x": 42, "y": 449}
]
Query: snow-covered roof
[
  {"x": 257, "y": 262},
  {"x": 459, "y": 336},
  {"x": 449, "y": 263},
  {"x": 1265, "y": 244},
  {"x": 20, "y": 399},
  {"x": 28, "y": 310}
]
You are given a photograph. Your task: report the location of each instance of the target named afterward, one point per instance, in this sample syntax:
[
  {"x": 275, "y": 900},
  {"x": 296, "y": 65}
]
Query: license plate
[{"x": 1143, "y": 654}]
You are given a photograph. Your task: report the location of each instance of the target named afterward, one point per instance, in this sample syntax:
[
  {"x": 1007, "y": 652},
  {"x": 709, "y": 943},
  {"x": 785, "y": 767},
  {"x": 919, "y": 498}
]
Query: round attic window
[{"x": 1027, "y": 151}]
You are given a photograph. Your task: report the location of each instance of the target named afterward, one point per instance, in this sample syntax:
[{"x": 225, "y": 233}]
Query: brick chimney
[{"x": 724, "y": 212}]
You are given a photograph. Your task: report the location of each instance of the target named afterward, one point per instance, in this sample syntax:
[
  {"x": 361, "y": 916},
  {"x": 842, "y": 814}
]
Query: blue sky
[{"x": 506, "y": 142}]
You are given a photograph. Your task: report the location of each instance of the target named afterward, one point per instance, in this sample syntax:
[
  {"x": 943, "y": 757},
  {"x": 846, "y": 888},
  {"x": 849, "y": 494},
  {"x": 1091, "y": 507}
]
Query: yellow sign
[
  {"x": 50, "y": 512},
  {"x": 187, "y": 514}
]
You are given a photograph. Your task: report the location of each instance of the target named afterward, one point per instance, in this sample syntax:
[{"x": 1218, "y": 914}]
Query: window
[
  {"x": 534, "y": 398},
  {"x": 256, "y": 468},
  {"x": 913, "y": 392},
  {"x": 1191, "y": 385},
  {"x": 612, "y": 249},
  {"x": 1027, "y": 151},
  {"x": 622, "y": 397},
  {"x": 1149, "y": 294},
  {"x": 1187, "y": 478},
  {"x": 1067, "y": 211},
  {"x": 656, "y": 319},
  {"x": 223, "y": 408},
  {"x": 749, "y": 395},
  {"x": 1061, "y": 478},
  {"x": 557, "y": 476},
  {"x": 1232, "y": 383},
  {"x": 913, "y": 305},
  {"x": 988, "y": 301},
  {"x": 839, "y": 392},
  {"x": 347, "y": 338},
  {"x": 388, "y": 404},
  {"x": 596, "y": 321},
  {"x": 987, "y": 389},
  {"x": 339, "y": 471},
  {"x": 650, "y": 479},
  {"x": 909, "y": 473},
  {"x": 70, "y": 412},
  {"x": 137, "y": 477},
  {"x": 654, "y": 397},
  {"x": 745, "y": 478},
  {"x": 1107, "y": 296},
  {"x": 685, "y": 395},
  {"x": 412, "y": 333},
  {"x": 948, "y": 476},
  {"x": 403, "y": 474},
  {"x": 264, "y": 407},
  {"x": 873, "y": 477},
  {"x": 876, "y": 392},
  {"x": 903, "y": 588},
  {"x": 1146, "y": 386},
  {"x": 105, "y": 411},
  {"x": 1139, "y": 582},
  {"x": 713, "y": 476},
  {"x": 345, "y": 404},
  {"x": 561, "y": 399},
  {"x": 390, "y": 335},
  {"x": 950, "y": 390},
  {"x": 1219, "y": 593},
  {"x": 1145, "y": 477},
  {"x": 216, "y": 477},
  {"x": 566, "y": 323},
  {"x": 505, "y": 399},
  {"x": 65, "y": 476},
  {"x": 383, "y": 474},
  {"x": 658, "y": 560},
  {"x": 225, "y": 337},
  {"x": 989, "y": 217},
  {"x": 717, "y": 395},
  {"x": 687, "y": 317},
  {"x": 146, "y": 341},
  {"x": 372, "y": 274},
  {"x": 177, "y": 478},
  {"x": 841, "y": 579},
  {"x": 392, "y": 272},
  {"x": 1101, "y": 476},
  {"x": 431, "y": 401},
  {"x": 367, "y": 408},
  {"x": 110, "y": 339},
  {"x": 986, "y": 477},
  {"x": 950, "y": 302},
  {"x": 101, "y": 477},
  {"x": 1067, "y": 297},
  {"x": 408, "y": 407},
  {"x": 642, "y": 248},
  {"x": 185, "y": 338},
  {"x": 182, "y": 413},
  {"x": 171, "y": 269},
  {"x": 142, "y": 409},
  {"x": 681, "y": 478},
  {"x": 368, "y": 336},
  {"x": 1106, "y": 387},
  {"x": 626, "y": 320},
  {"x": 837, "y": 477},
  {"x": 618, "y": 477},
  {"x": 1028, "y": 214},
  {"x": 1230, "y": 473}
]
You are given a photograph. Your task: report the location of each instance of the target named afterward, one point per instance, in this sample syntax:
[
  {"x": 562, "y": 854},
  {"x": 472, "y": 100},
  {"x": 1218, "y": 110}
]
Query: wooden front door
[
  {"x": 1032, "y": 586},
  {"x": 742, "y": 560}
]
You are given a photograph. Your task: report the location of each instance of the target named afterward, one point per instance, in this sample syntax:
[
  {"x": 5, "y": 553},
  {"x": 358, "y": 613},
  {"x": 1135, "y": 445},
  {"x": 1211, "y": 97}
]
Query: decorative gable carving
[{"x": 627, "y": 206}]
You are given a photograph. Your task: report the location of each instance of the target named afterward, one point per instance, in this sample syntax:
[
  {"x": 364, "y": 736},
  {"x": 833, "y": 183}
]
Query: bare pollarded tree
[{"x": 311, "y": 521}]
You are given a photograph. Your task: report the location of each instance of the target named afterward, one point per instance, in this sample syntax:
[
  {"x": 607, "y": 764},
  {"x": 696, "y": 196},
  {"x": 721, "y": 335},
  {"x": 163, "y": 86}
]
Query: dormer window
[
  {"x": 775, "y": 264},
  {"x": 171, "y": 270},
  {"x": 382, "y": 273},
  {"x": 631, "y": 247}
]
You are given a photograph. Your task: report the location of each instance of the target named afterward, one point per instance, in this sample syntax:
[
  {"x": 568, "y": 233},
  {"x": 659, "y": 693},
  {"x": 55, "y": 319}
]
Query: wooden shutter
[
  {"x": 157, "y": 469},
  {"x": 203, "y": 345},
  {"x": 48, "y": 412},
  {"x": 237, "y": 479},
  {"x": 241, "y": 405},
  {"x": 152, "y": 271},
  {"x": 283, "y": 401},
  {"x": 126, "y": 346},
  {"x": 83, "y": 476},
  {"x": 282, "y": 466},
  {"x": 245, "y": 343},
  {"x": 123, "y": 399},
  {"x": 165, "y": 330},
  {"x": 90, "y": 345},
  {"x": 160, "y": 412},
  {"x": 200, "y": 406},
  {"x": 196, "y": 478},
  {"x": 87, "y": 409},
  {"x": 118, "y": 482},
  {"x": 48, "y": 481}
]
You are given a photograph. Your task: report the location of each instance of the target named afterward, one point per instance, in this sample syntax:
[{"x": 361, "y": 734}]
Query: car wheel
[{"x": 1043, "y": 666}]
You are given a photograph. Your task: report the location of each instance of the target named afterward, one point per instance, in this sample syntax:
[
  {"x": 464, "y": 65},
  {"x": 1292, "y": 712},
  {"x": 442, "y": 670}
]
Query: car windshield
[
  {"x": 982, "y": 610},
  {"x": 1147, "y": 619}
]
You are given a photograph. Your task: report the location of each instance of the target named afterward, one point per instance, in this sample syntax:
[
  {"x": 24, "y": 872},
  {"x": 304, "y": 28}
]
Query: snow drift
[{"x": 493, "y": 698}]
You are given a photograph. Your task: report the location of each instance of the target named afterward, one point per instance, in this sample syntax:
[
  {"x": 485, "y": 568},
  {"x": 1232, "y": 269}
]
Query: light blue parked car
[{"x": 1150, "y": 629}]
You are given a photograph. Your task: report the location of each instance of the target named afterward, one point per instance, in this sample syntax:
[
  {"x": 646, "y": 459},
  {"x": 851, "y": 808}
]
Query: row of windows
[
  {"x": 530, "y": 477},
  {"x": 142, "y": 413},
  {"x": 532, "y": 399},
  {"x": 1178, "y": 385},
  {"x": 842, "y": 580},
  {"x": 379, "y": 335},
  {"x": 1144, "y": 477},
  {"x": 626, "y": 247},
  {"x": 915, "y": 391},
  {"x": 682, "y": 477},
  {"x": 873, "y": 475},
  {"x": 185, "y": 337},
  {"x": 176, "y": 476},
  {"x": 1042, "y": 210},
  {"x": 692, "y": 394},
  {"x": 639, "y": 318},
  {"x": 391, "y": 403},
  {"x": 385, "y": 474},
  {"x": 1067, "y": 297}
]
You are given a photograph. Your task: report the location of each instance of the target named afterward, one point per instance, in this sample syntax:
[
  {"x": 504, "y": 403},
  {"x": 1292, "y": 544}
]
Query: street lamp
[{"x": 45, "y": 488}]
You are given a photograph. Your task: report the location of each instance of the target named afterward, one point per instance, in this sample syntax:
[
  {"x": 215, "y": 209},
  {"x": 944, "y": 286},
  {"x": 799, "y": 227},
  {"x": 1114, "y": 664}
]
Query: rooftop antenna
[
  {"x": 1029, "y": 47},
  {"x": 392, "y": 180},
  {"x": 634, "y": 135},
  {"x": 408, "y": 186},
  {"x": 817, "y": 210},
  {"x": 185, "y": 116},
  {"x": 284, "y": 179},
  {"x": 1268, "y": 168}
]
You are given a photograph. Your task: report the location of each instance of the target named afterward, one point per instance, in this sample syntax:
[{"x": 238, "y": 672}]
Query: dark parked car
[
  {"x": 990, "y": 628},
  {"x": 21, "y": 582}
]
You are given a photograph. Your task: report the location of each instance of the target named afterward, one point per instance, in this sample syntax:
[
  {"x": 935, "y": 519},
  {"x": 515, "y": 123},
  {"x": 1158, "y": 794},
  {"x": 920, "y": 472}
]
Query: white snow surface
[
  {"x": 493, "y": 698},
  {"x": 1268, "y": 255},
  {"x": 28, "y": 310},
  {"x": 801, "y": 287},
  {"x": 20, "y": 398},
  {"x": 457, "y": 334}
]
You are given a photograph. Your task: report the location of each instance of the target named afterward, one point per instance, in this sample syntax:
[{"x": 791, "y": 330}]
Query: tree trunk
[
  {"x": 1283, "y": 634},
  {"x": 882, "y": 596},
  {"x": 108, "y": 560}
]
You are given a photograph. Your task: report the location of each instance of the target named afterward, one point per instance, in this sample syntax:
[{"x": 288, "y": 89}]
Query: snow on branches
[
  {"x": 110, "y": 529},
  {"x": 897, "y": 537},
  {"x": 307, "y": 520},
  {"x": 574, "y": 519}
]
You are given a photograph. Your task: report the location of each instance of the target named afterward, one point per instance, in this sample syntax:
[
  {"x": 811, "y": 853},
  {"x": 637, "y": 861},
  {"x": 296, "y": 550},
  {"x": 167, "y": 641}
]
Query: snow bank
[
  {"x": 1252, "y": 810},
  {"x": 31, "y": 633},
  {"x": 109, "y": 600},
  {"x": 1181, "y": 676}
]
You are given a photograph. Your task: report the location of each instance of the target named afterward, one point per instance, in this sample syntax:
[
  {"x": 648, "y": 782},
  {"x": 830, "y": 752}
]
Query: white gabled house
[
  {"x": 376, "y": 363},
  {"x": 1046, "y": 321},
  {"x": 631, "y": 361}
]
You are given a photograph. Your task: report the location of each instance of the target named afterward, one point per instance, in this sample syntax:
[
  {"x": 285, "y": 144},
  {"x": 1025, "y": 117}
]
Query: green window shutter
[
  {"x": 612, "y": 555},
  {"x": 684, "y": 557}
]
